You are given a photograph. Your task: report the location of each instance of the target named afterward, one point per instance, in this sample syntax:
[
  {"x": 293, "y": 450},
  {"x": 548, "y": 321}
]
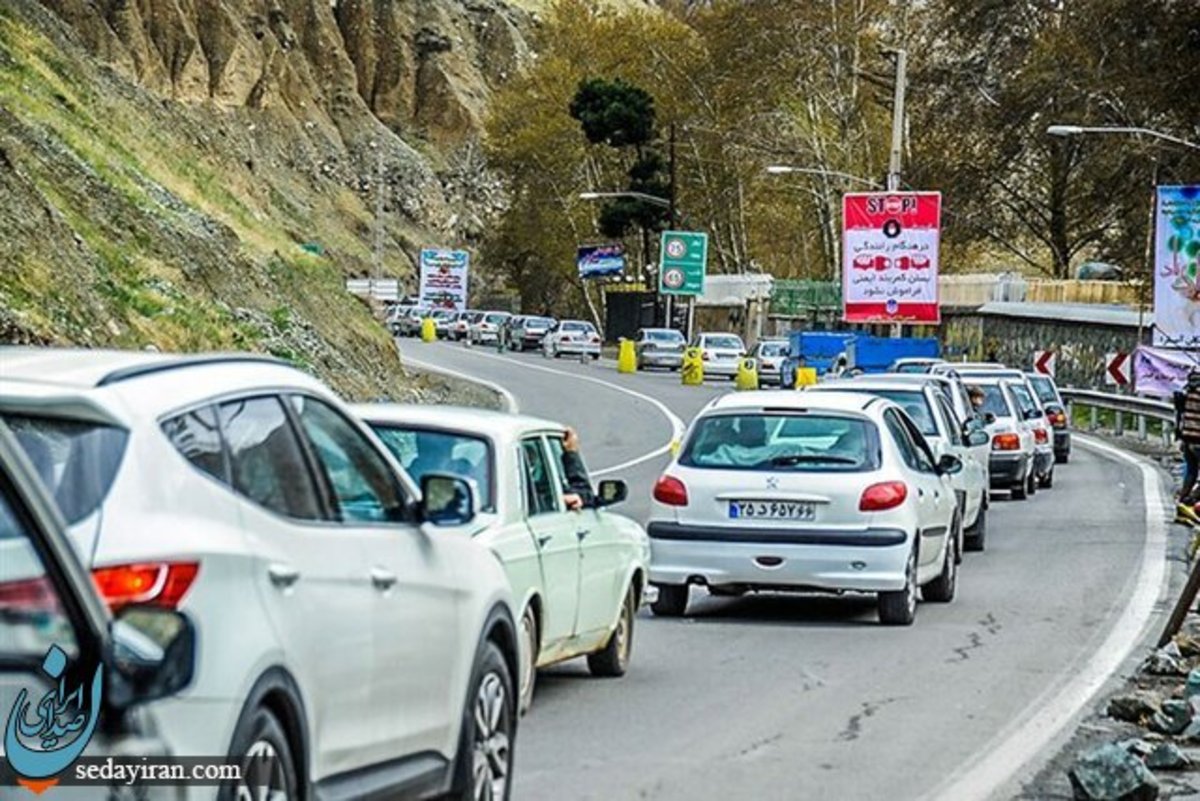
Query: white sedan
[
  {"x": 831, "y": 491},
  {"x": 577, "y": 576},
  {"x": 572, "y": 337}
]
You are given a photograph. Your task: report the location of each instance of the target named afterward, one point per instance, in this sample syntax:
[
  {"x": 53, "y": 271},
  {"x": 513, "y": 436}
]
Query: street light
[
  {"x": 782, "y": 169},
  {"x": 642, "y": 196},
  {"x": 1079, "y": 130}
]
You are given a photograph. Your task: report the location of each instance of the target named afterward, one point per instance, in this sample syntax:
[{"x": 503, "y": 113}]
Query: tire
[
  {"x": 528, "y": 632},
  {"x": 1048, "y": 480},
  {"x": 1062, "y": 458},
  {"x": 1018, "y": 491},
  {"x": 899, "y": 608},
  {"x": 1031, "y": 485},
  {"x": 487, "y": 755},
  {"x": 262, "y": 735},
  {"x": 941, "y": 590},
  {"x": 977, "y": 533},
  {"x": 672, "y": 600},
  {"x": 613, "y": 660}
]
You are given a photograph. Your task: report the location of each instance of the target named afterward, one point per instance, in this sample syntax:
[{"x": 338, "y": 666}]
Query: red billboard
[{"x": 890, "y": 257}]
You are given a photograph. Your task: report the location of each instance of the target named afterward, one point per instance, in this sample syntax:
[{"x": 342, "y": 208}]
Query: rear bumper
[
  {"x": 1062, "y": 441},
  {"x": 870, "y": 560},
  {"x": 721, "y": 368},
  {"x": 1007, "y": 469},
  {"x": 577, "y": 348}
]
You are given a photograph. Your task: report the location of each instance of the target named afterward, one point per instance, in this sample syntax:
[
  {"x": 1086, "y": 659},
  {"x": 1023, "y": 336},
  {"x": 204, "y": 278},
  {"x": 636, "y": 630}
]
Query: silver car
[
  {"x": 721, "y": 353},
  {"x": 770, "y": 355},
  {"x": 659, "y": 347}
]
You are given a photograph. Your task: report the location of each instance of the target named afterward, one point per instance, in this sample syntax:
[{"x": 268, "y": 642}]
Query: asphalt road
[{"x": 805, "y": 697}]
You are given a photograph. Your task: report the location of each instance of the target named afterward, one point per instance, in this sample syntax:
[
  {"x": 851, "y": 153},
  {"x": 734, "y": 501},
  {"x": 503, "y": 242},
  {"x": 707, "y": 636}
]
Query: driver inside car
[{"x": 577, "y": 487}]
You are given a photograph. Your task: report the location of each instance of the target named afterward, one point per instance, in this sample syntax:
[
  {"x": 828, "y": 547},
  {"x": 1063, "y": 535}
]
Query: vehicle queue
[{"x": 326, "y": 529}]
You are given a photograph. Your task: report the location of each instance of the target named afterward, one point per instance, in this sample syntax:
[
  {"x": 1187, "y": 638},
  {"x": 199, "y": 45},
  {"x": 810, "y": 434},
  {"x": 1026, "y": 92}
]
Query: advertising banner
[
  {"x": 1177, "y": 267},
  {"x": 600, "y": 261},
  {"x": 1161, "y": 372},
  {"x": 444, "y": 278},
  {"x": 890, "y": 257}
]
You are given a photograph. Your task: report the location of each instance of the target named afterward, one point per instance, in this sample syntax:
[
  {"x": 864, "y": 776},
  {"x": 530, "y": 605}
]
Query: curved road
[{"x": 782, "y": 697}]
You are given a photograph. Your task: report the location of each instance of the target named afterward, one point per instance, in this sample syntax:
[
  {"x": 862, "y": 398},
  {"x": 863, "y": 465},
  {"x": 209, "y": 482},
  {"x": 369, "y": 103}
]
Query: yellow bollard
[
  {"x": 428, "y": 330},
  {"x": 692, "y": 371},
  {"x": 626, "y": 357},
  {"x": 805, "y": 377},
  {"x": 747, "y": 375}
]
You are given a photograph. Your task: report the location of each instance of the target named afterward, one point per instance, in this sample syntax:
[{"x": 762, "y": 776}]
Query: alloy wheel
[
  {"x": 492, "y": 747},
  {"x": 263, "y": 779}
]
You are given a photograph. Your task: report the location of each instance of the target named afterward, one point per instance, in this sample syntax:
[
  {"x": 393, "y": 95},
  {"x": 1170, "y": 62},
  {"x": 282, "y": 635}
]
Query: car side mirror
[
  {"x": 150, "y": 654},
  {"x": 611, "y": 492},
  {"x": 446, "y": 500},
  {"x": 988, "y": 418},
  {"x": 977, "y": 437},
  {"x": 949, "y": 464}
]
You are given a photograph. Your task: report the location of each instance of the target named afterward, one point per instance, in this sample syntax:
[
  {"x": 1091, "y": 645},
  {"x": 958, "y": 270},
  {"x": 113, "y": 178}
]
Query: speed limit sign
[{"x": 673, "y": 278}]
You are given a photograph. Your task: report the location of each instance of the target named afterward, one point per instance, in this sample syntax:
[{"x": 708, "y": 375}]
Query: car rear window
[
  {"x": 994, "y": 401},
  {"x": 915, "y": 404},
  {"x": 538, "y": 322},
  {"x": 773, "y": 349},
  {"x": 783, "y": 442},
  {"x": 423, "y": 451},
  {"x": 76, "y": 460},
  {"x": 723, "y": 342},
  {"x": 913, "y": 367},
  {"x": 577, "y": 327},
  {"x": 1044, "y": 388},
  {"x": 664, "y": 336}
]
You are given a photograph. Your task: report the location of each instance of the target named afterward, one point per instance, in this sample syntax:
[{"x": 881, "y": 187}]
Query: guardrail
[{"x": 1141, "y": 409}]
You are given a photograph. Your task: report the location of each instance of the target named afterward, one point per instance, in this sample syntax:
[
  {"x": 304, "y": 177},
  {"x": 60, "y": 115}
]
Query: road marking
[
  {"x": 677, "y": 425},
  {"x": 1046, "y": 717},
  {"x": 506, "y": 397}
]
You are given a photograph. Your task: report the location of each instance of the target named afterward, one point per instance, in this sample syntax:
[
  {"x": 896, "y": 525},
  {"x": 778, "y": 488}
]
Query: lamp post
[{"x": 784, "y": 169}]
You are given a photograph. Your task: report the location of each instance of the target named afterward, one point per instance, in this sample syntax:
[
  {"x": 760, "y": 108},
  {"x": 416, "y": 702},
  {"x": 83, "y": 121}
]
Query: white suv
[{"x": 336, "y": 627}]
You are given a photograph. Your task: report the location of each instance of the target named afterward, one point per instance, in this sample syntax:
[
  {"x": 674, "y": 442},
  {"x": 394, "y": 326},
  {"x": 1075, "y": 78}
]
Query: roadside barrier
[
  {"x": 747, "y": 375},
  {"x": 805, "y": 377},
  {"x": 626, "y": 356},
  {"x": 428, "y": 330},
  {"x": 692, "y": 371}
]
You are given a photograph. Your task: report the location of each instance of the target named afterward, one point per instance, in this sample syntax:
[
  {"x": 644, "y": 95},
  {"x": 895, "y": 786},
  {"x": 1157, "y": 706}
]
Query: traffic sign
[
  {"x": 890, "y": 257},
  {"x": 1116, "y": 369},
  {"x": 683, "y": 261},
  {"x": 1044, "y": 362}
]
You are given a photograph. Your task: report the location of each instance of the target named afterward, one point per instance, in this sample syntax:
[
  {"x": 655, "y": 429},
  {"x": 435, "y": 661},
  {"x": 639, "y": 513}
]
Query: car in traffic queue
[
  {"x": 927, "y": 406},
  {"x": 487, "y": 329},
  {"x": 1056, "y": 414},
  {"x": 47, "y": 600},
  {"x": 577, "y": 576},
  {"x": 370, "y": 652},
  {"x": 914, "y": 364},
  {"x": 572, "y": 338},
  {"x": 408, "y": 323},
  {"x": 806, "y": 491},
  {"x": 444, "y": 321},
  {"x": 659, "y": 347},
  {"x": 461, "y": 325},
  {"x": 1012, "y": 464},
  {"x": 769, "y": 356},
  {"x": 527, "y": 333},
  {"x": 721, "y": 353}
]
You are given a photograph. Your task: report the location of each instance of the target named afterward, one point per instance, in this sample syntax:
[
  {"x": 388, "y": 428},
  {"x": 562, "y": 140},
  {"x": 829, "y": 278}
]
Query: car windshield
[
  {"x": 772, "y": 349},
  {"x": 994, "y": 401},
  {"x": 1044, "y": 388},
  {"x": 915, "y": 404},
  {"x": 778, "y": 442},
  {"x": 77, "y": 461},
  {"x": 730, "y": 342},
  {"x": 664, "y": 336},
  {"x": 424, "y": 451}
]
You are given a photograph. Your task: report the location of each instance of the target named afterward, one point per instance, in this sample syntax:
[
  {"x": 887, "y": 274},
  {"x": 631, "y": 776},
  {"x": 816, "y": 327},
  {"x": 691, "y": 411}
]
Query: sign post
[{"x": 683, "y": 263}]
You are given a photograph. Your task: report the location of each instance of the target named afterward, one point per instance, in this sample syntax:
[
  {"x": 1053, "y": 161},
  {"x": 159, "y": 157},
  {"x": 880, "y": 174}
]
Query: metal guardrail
[{"x": 1141, "y": 409}]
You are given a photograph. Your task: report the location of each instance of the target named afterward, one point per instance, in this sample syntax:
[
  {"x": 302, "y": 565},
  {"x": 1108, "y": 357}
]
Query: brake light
[
  {"x": 565, "y": 338},
  {"x": 1006, "y": 442},
  {"x": 1040, "y": 436},
  {"x": 1058, "y": 419},
  {"x": 158, "y": 583},
  {"x": 883, "y": 496},
  {"x": 27, "y": 595},
  {"x": 595, "y": 339},
  {"x": 670, "y": 491}
]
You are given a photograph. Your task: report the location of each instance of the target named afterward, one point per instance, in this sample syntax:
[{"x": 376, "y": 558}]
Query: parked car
[
  {"x": 47, "y": 599},
  {"x": 770, "y": 355},
  {"x": 578, "y": 577},
  {"x": 572, "y": 338},
  {"x": 914, "y": 364},
  {"x": 527, "y": 333},
  {"x": 487, "y": 329},
  {"x": 1056, "y": 414},
  {"x": 833, "y": 491},
  {"x": 927, "y": 406},
  {"x": 408, "y": 324},
  {"x": 1011, "y": 465},
  {"x": 340, "y": 628},
  {"x": 659, "y": 347},
  {"x": 721, "y": 353}
]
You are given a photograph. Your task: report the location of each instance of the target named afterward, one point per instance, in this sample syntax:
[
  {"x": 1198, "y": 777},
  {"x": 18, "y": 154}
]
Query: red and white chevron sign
[
  {"x": 1116, "y": 369},
  {"x": 1044, "y": 361}
]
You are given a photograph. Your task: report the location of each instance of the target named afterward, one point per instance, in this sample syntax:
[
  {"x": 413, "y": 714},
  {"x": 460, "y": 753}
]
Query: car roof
[
  {"x": 920, "y": 360},
  {"x": 82, "y": 368},
  {"x": 870, "y": 384},
  {"x": 972, "y": 366},
  {"x": 720, "y": 334},
  {"x": 825, "y": 400},
  {"x": 914, "y": 378},
  {"x": 581, "y": 322},
  {"x": 486, "y": 422}
]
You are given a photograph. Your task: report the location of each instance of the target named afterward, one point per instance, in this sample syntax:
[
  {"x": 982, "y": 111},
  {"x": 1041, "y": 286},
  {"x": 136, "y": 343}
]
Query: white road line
[
  {"x": 506, "y": 397},
  {"x": 1019, "y": 743},
  {"x": 677, "y": 425}
]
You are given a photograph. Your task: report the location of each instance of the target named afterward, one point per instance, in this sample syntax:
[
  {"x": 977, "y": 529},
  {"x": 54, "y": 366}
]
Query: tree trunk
[{"x": 1060, "y": 239}]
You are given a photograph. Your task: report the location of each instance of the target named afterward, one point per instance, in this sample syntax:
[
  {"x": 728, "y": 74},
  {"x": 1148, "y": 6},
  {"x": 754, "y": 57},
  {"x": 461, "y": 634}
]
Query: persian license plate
[{"x": 772, "y": 510}]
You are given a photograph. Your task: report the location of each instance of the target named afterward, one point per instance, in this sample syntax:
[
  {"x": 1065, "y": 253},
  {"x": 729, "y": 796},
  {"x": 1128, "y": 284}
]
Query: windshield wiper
[{"x": 812, "y": 458}]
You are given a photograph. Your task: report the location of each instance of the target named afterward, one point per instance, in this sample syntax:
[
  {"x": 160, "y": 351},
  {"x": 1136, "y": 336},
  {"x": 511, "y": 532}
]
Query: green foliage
[{"x": 615, "y": 113}]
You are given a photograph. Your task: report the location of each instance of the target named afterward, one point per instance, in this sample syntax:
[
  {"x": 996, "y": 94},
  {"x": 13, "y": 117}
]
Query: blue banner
[{"x": 598, "y": 261}]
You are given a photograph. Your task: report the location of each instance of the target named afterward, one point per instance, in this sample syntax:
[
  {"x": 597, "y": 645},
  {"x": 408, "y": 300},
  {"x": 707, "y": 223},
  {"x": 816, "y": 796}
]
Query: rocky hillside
[{"x": 203, "y": 173}]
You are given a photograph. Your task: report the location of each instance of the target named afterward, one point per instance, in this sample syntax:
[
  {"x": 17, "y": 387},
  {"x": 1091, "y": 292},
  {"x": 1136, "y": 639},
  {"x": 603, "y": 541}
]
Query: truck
[{"x": 823, "y": 350}]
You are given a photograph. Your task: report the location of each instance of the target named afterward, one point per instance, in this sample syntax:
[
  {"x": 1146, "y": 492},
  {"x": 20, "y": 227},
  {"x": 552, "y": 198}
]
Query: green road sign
[{"x": 683, "y": 258}]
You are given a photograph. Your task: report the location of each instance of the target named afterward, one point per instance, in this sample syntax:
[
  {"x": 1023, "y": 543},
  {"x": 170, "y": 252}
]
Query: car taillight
[
  {"x": 1040, "y": 436},
  {"x": 1058, "y": 419},
  {"x": 595, "y": 340},
  {"x": 27, "y": 595},
  {"x": 882, "y": 496},
  {"x": 565, "y": 338},
  {"x": 1006, "y": 442},
  {"x": 158, "y": 583},
  {"x": 670, "y": 491}
]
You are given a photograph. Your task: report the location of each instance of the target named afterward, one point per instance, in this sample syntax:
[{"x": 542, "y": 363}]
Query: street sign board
[
  {"x": 683, "y": 261},
  {"x": 890, "y": 257},
  {"x": 1044, "y": 362},
  {"x": 1116, "y": 369},
  {"x": 444, "y": 278},
  {"x": 599, "y": 261},
  {"x": 1177, "y": 267}
]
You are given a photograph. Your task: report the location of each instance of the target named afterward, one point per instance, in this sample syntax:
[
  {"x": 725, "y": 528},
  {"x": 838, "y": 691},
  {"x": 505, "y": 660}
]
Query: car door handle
[
  {"x": 283, "y": 576},
  {"x": 382, "y": 580},
  {"x": 920, "y": 492},
  {"x": 582, "y": 534},
  {"x": 542, "y": 541}
]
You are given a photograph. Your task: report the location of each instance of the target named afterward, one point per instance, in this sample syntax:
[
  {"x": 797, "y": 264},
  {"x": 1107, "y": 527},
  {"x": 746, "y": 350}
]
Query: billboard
[
  {"x": 1177, "y": 267},
  {"x": 890, "y": 246},
  {"x": 599, "y": 261},
  {"x": 444, "y": 278}
]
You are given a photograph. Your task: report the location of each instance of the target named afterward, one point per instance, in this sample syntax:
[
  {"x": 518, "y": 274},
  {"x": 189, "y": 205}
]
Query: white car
[
  {"x": 770, "y": 355},
  {"x": 918, "y": 365},
  {"x": 721, "y": 353},
  {"x": 462, "y": 325},
  {"x": 487, "y": 328},
  {"x": 572, "y": 338},
  {"x": 577, "y": 577},
  {"x": 828, "y": 491},
  {"x": 927, "y": 406},
  {"x": 1014, "y": 451},
  {"x": 338, "y": 626}
]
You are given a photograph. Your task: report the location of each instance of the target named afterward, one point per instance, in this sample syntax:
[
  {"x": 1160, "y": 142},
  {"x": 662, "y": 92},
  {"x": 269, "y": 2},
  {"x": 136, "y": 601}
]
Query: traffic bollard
[
  {"x": 747, "y": 375},
  {"x": 626, "y": 357},
  {"x": 805, "y": 377},
  {"x": 428, "y": 330},
  {"x": 692, "y": 371}
]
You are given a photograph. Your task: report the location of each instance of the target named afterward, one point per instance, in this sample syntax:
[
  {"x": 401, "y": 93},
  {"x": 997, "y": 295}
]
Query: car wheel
[
  {"x": 1063, "y": 457},
  {"x": 899, "y": 608},
  {"x": 672, "y": 600},
  {"x": 941, "y": 590},
  {"x": 268, "y": 770},
  {"x": 977, "y": 533},
  {"x": 529, "y": 653},
  {"x": 1048, "y": 480},
  {"x": 1031, "y": 484},
  {"x": 485, "y": 751},
  {"x": 1018, "y": 491},
  {"x": 613, "y": 661}
]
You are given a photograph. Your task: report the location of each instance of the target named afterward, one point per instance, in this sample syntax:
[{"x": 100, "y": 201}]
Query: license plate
[{"x": 772, "y": 510}]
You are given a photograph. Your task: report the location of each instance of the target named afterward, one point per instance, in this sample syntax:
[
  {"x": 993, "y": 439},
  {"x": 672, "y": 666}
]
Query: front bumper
[
  {"x": 868, "y": 560},
  {"x": 1007, "y": 468}
]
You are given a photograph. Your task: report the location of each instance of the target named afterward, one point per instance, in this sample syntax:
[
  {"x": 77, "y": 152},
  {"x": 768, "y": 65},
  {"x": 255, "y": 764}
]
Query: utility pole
[
  {"x": 671, "y": 198},
  {"x": 897, "y": 154},
  {"x": 377, "y": 272}
]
